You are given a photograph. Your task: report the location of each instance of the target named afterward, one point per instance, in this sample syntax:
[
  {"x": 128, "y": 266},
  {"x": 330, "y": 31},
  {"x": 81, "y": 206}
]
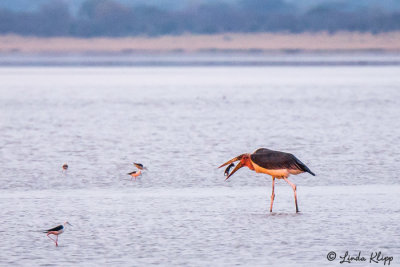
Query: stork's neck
[{"x": 246, "y": 161}]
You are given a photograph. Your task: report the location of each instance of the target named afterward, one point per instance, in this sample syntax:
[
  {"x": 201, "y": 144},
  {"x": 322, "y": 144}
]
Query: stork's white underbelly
[{"x": 278, "y": 173}]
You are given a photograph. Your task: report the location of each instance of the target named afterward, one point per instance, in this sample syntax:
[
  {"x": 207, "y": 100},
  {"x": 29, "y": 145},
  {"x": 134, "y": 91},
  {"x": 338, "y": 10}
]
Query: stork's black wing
[
  {"x": 264, "y": 150},
  {"x": 57, "y": 228},
  {"x": 273, "y": 160}
]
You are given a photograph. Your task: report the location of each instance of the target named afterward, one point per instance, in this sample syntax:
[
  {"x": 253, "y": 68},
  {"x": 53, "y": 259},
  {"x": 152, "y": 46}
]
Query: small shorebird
[
  {"x": 139, "y": 166},
  {"x": 65, "y": 167},
  {"x": 58, "y": 230},
  {"x": 135, "y": 174},
  {"x": 275, "y": 163}
]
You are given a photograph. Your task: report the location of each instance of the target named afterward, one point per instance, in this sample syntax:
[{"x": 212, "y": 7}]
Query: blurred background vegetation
[{"x": 116, "y": 18}]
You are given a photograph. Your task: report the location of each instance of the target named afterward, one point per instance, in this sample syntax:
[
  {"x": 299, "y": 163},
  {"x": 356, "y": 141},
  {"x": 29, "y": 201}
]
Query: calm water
[{"x": 182, "y": 123}]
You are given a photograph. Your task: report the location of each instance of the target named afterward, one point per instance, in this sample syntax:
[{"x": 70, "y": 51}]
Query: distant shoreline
[{"x": 343, "y": 42}]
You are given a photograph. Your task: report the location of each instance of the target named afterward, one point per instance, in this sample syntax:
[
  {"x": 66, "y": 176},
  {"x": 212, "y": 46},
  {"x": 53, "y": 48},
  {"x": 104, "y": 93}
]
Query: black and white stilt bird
[
  {"x": 139, "y": 166},
  {"x": 56, "y": 231},
  {"x": 135, "y": 174},
  {"x": 278, "y": 164}
]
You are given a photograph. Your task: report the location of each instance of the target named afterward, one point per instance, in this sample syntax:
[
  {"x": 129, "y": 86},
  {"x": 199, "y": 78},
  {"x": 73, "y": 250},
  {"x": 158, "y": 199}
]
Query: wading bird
[
  {"x": 65, "y": 166},
  {"x": 139, "y": 166},
  {"x": 275, "y": 163},
  {"x": 58, "y": 230},
  {"x": 135, "y": 174}
]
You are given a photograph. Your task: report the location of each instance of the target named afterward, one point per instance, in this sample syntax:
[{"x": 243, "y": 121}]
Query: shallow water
[{"x": 182, "y": 123}]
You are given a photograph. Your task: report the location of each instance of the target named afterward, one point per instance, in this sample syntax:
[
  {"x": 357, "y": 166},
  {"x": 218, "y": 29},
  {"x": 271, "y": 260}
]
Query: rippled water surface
[{"x": 182, "y": 123}]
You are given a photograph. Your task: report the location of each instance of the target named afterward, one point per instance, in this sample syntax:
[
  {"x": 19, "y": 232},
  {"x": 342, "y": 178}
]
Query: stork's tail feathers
[
  {"x": 310, "y": 172},
  {"x": 304, "y": 167}
]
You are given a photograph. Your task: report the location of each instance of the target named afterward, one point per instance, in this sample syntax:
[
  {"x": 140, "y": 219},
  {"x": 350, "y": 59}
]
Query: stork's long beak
[
  {"x": 240, "y": 165},
  {"x": 231, "y": 161}
]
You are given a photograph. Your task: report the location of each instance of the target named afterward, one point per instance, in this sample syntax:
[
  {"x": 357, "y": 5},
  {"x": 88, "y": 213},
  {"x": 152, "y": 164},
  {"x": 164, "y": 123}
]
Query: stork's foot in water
[
  {"x": 272, "y": 202},
  {"x": 297, "y": 207},
  {"x": 272, "y": 194},
  {"x": 295, "y": 198}
]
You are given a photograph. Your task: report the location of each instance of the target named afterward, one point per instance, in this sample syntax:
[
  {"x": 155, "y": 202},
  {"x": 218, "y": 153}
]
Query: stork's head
[
  {"x": 67, "y": 223},
  {"x": 244, "y": 160}
]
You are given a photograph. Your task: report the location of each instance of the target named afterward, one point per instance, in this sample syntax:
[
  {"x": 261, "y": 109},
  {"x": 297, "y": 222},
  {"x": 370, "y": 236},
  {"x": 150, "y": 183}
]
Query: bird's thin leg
[
  {"x": 48, "y": 235},
  {"x": 294, "y": 190},
  {"x": 273, "y": 194},
  {"x": 57, "y": 241}
]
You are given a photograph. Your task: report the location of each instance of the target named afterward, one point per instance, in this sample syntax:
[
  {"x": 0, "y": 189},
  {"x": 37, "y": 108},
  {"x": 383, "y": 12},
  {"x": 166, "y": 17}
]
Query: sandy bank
[{"x": 307, "y": 42}]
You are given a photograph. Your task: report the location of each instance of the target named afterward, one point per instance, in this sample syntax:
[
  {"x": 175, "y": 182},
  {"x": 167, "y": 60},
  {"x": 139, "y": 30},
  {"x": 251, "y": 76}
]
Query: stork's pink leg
[
  {"x": 273, "y": 194},
  {"x": 294, "y": 190},
  {"x": 57, "y": 241}
]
